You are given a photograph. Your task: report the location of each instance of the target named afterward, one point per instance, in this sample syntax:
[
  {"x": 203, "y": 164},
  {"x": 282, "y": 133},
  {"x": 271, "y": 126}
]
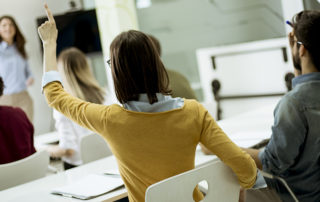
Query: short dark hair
[
  {"x": 137, "y": 68},
  {"x": 1, "y": 86},
  {"x": 306, "y": 26}
]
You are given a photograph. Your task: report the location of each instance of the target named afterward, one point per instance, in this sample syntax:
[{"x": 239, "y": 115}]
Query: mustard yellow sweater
[{"x": 150, "y": 147}]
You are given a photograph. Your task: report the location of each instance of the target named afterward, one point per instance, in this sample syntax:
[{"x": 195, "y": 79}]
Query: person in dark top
[{"x": 16, "y": 133}]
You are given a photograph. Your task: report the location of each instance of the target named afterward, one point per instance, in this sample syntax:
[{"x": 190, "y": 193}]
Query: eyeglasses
[
  {"x": 292, "y": 40},
  {"x": 296, "y": 41}
]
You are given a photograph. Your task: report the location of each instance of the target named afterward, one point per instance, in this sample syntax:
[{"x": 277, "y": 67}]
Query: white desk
[
  {"x": 249, "y": 128},
  {"x": 39, "y": 190},
  {"x": 257, "y": 122}
]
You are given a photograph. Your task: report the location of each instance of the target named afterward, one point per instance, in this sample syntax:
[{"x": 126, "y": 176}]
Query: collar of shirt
[
  {"x": 165, "y": 103},
  {"x": 4, "y": 45},
  {"x": 314, "y": 76}
]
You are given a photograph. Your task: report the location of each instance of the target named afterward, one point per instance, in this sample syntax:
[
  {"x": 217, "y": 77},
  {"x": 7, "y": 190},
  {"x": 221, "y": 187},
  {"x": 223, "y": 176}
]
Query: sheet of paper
[
  {"x": 247, "y": 143},
  {"x": 250, "y": 135},
  {"x": 90, "y": 186},
  {"x": 114, "y": 171},
  {"x": 248, "y": 139}
]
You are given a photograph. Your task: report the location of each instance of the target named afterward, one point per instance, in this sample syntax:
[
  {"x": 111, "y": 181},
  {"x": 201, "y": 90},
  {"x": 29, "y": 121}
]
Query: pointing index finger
[{"x": 49, "y": 14}]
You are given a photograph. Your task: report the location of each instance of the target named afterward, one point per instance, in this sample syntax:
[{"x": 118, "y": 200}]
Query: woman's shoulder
[
  {"x": 13, "y": 113},
  {"x": 9, "y": 110},
  {"x": 192, "y": 105}
]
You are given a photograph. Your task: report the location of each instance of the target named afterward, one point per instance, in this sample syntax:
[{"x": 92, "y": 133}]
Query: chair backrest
[
  {"x": 24, "y": 170},
  {"x": 93, "y": 147},
  {"x": 222, "y": 185}
]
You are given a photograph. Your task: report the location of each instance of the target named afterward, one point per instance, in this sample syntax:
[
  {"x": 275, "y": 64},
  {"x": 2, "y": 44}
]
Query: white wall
[
  {"x": 290, "y": 8},
  {"x": 114, "y": 17},
  {"x": 182, "y": 26},
  {"x": 25, "y": 13}
]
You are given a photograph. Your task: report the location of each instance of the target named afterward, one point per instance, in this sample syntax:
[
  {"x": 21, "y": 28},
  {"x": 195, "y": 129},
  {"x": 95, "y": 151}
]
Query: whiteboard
[
  {"x": 244, "y": 69},
  {"x": 250, "y": 73}
]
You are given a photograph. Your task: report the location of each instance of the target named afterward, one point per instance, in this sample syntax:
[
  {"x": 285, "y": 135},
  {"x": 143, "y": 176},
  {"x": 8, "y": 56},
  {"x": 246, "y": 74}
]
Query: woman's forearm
[
  {"x": 49, "y": 56},
  {"x": 254, "y": 153}
]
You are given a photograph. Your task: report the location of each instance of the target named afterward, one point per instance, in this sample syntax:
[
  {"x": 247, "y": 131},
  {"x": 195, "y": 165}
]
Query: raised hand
[{"x": 48, "y": 31}]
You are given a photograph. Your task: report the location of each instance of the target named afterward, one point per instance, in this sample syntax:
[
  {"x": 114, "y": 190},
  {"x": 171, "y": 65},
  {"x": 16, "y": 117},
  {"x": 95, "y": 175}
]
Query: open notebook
[{"x": 90, "y": 186}]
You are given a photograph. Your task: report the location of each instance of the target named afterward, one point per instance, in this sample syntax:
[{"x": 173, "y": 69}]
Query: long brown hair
[
  {"x": 79, "y": 76},
  {"x": 137, "y": 68},
  {"x": 18, "y": 38}
]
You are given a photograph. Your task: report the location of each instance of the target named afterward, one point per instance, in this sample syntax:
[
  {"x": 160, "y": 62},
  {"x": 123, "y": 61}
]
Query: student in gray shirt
[{"x": 293, "y": 152}]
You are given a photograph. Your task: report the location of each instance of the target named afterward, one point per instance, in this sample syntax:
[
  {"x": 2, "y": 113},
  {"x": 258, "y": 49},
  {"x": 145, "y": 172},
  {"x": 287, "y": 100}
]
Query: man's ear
[{"x": 302, "y": 51}]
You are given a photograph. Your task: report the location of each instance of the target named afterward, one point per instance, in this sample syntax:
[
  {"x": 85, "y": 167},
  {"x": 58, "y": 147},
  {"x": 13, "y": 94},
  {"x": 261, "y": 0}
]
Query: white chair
[
  {"x": 222, "y": 185},
  {"x": 24, "y": 170},
  {"x": 93, "y": 147},
  {"x": 270, "y": 176}
]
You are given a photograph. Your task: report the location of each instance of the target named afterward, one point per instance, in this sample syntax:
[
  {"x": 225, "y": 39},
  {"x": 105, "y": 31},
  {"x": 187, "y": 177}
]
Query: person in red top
[{"x": 16, "y": 133}]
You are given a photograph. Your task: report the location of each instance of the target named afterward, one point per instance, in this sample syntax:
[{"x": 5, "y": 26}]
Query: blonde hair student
[
  {"x": 153, "y": 136},
  {"x": 78, "y": 77},
  {"x": 79, "y": 81}
]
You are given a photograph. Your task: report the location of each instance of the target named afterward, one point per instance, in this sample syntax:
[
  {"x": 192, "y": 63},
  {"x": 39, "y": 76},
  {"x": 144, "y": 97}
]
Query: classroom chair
[
  {"x": 93, "y": 147},
  {"x": 24, "y": 170},
  {"x": 270, "y": 176},
  {"x": 222, "y": 185}
]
